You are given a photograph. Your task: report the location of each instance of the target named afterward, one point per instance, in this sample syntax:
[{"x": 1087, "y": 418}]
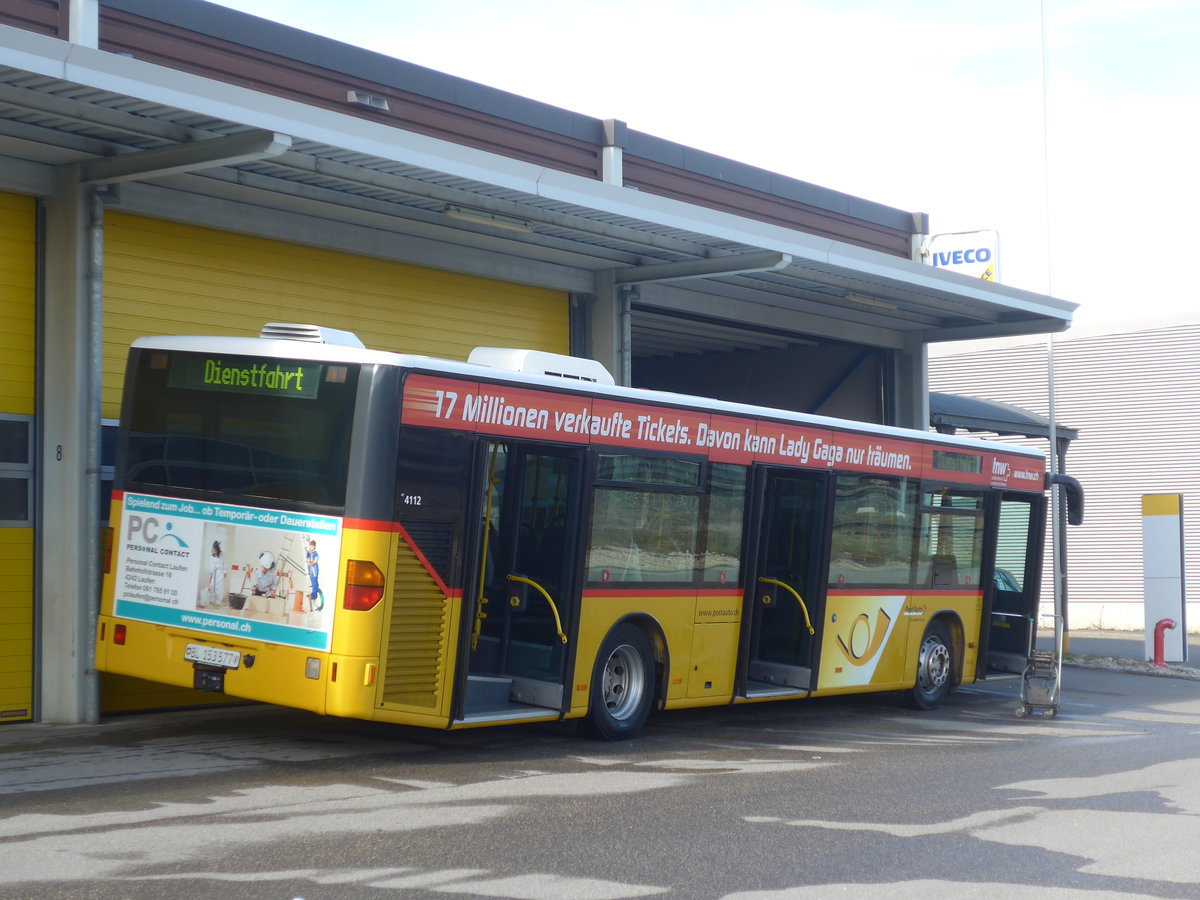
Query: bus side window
[
  {"x": 950, "y": 543},
  {"x": 723, "y": 523},
  {"x": 872, "y": 538},
  {"x": 646, "y": 526},
  {"x": 613, "y": 556},
  {"x": 643, "y": 536}
]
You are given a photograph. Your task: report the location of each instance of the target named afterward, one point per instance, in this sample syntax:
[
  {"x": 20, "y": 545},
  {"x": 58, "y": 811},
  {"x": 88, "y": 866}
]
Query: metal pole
[
  {"x": 1060, "y": 618},
  {"x": 626, "y": 351},
  {"x": 91, "y": 502}
]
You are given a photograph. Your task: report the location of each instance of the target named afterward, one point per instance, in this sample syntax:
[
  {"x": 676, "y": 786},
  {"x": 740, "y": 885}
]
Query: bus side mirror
[{"x": 1074, "y": 492}]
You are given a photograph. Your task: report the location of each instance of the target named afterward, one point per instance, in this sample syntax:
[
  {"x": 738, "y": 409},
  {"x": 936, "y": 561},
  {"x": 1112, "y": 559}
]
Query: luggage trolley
[{"x": 1041, "y": 683}]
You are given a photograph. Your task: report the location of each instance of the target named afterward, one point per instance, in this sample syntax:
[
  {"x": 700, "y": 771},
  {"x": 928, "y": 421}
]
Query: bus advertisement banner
[
  {"x": 237, "y": 571},
  {"x": 507, "y": 411}
]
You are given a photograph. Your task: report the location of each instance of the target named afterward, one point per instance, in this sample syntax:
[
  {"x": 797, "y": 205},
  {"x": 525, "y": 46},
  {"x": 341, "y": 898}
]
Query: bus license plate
[{"x": 212, "y": 656}]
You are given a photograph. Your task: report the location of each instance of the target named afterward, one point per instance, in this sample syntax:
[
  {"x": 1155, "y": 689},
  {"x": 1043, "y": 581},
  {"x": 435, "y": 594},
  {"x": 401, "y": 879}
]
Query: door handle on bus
[
  {"x": 521, "y": 579},
  {"x": 799, "y": 599}
]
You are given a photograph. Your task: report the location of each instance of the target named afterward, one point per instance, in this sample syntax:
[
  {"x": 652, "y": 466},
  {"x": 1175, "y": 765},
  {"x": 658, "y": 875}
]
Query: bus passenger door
[
  {"x": 785, "y": 592},
  {"x": 527, "y": 603},
  {"x": 1011, "y": 597}
]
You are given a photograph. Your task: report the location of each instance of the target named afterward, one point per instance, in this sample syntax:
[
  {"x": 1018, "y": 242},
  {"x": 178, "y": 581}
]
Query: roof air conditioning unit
[
  {"x": 538, "y": 362},
  {"x": 313, "y": 334}
]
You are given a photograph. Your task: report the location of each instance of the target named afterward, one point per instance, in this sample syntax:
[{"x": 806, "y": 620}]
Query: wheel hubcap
[
  {"x": 933, "y": 664},
  {"x": 624, "y": 682}
]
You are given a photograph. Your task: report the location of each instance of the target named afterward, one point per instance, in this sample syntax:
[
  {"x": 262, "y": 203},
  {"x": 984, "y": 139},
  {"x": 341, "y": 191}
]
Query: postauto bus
[{"x": 306, "y": 522}]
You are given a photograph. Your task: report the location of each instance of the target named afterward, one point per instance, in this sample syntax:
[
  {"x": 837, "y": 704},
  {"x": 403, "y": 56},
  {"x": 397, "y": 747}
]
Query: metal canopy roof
[
  {"x": 62, "y": 103},
  {"x": 949, "y": 412}
]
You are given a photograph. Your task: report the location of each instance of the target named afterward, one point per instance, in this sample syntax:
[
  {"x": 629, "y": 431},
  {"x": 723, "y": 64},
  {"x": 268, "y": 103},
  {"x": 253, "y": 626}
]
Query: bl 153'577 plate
[{"x": 212, "y": 656}]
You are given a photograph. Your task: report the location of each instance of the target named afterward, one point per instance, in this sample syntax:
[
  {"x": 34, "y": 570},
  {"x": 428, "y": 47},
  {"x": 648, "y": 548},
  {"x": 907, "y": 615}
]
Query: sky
[{"x": 1069, "y": 126}]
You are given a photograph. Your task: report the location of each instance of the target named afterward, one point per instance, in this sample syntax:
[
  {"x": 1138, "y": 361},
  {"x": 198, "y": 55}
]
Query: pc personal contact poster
[{"x": 238, "y": 571}]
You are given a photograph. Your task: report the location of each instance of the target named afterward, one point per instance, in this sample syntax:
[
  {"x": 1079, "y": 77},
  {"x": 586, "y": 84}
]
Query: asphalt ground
[
  {"x": 1089, "y": 654},
  {"x": 849, "y": 797}
]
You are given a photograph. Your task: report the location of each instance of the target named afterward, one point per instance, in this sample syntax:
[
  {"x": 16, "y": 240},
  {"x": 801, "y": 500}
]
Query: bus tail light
[
  {"x": 364, "y": 585},
  {"x": 119, "y": 634}
]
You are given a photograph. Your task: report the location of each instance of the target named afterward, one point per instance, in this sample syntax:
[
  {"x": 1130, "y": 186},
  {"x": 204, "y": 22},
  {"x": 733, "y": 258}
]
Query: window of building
[{"x": 16, "y": 471}]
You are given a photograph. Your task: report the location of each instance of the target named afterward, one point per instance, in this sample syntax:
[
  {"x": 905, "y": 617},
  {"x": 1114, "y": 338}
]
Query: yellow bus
[{"x": 303, "y": 521}]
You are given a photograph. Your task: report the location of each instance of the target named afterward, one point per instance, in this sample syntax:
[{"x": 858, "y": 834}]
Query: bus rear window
[{"x": 240, "y": 426}]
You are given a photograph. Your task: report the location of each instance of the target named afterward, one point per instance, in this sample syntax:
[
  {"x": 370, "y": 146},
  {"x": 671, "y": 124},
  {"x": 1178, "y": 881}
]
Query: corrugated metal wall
[
  {"x": 170, "y": 278},
  {"x": 1134, "y": 395},
  {"x": 18, "y": 304}
]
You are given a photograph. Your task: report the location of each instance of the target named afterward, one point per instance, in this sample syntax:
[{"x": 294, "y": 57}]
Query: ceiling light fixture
[
  {"x": 479, "y": 217},
  {"x": 871, "y": 301}
]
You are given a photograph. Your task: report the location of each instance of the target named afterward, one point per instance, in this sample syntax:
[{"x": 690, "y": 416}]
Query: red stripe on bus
[
  {"x": 659, "y": 592},
  {"x": 397, "y": 528},
  {"x": 371, "y": 525},
  {"x": 412, "y": 545}
]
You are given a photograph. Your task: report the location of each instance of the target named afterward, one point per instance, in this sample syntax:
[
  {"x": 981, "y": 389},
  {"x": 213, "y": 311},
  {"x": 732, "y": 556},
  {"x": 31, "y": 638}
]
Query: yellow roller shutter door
[
  {"x": 166, "y": 278},
  {"x": 18, "y": 254}
]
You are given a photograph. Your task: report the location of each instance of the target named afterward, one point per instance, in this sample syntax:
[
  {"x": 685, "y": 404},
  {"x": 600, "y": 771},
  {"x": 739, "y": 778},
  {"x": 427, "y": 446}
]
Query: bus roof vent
[
  {"x": 537, "y": 362},
  {"x": 313, "y": 334}
]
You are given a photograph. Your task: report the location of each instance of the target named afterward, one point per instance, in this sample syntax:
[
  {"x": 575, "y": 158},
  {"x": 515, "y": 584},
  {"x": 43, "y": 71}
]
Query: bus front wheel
[
  {"x": 935, "y": 667},
  {"x": 622, "y": 686}
]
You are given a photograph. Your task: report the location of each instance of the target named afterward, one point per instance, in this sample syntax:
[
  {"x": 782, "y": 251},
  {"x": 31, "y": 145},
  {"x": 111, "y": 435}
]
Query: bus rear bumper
[{"x": 248, "y": 670}]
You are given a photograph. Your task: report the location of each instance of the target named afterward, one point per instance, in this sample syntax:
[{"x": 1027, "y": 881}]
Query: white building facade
[{"x": 1133, "y": 394}]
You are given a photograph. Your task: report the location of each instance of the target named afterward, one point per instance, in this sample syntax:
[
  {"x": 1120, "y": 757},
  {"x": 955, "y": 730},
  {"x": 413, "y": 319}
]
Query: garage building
[{"x": 177, "y": 167}]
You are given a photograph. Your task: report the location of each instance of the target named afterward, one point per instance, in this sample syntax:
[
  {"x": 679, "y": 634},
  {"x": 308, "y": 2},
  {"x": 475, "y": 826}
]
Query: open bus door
[
  {"x": 1011, "y": 598},
  {"x": 785, "y": 589},
  {"x": 1042, "y": 680},
  {"x": 522, "y": 611}
]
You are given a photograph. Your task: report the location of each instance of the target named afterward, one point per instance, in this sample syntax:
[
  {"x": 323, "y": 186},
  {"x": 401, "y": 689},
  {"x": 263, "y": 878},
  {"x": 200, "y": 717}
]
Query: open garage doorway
[{"x": 728, "y": 361}]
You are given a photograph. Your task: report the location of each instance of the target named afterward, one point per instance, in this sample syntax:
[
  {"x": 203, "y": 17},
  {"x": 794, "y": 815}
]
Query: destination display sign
[
  {"x": 509, "y": 411},
  {"x": 271, "y": 377}
]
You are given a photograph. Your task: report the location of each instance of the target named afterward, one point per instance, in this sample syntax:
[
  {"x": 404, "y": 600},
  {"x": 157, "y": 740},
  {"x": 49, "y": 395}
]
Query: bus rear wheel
[
  {"x": 622, "y": 684},
  {"x": 935, "y": 667}
]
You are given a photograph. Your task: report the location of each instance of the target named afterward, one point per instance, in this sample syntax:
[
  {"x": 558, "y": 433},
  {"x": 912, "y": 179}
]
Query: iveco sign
[{"x": 973, "y": 253}]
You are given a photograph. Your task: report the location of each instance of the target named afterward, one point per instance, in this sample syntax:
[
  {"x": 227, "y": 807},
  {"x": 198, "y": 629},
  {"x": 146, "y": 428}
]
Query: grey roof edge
[
  {"x": 721, "y": 168},
  {"x": 284, "y": 40},
  {"x": 935, "y": 278},
  {"x": 293, "y": 43}
]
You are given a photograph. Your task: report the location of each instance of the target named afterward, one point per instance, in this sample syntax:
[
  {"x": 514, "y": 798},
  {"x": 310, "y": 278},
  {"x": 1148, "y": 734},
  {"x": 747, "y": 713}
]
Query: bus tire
[
  {"x": 935, "y": 667},
  {"x": 622, "y": 687}
]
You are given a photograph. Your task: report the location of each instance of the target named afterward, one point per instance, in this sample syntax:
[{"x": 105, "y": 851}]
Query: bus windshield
[{"x": 240, "y": 426}]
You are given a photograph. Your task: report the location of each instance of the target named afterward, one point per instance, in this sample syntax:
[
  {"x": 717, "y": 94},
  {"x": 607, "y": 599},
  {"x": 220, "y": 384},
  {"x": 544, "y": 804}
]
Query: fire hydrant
[{"x": 1159, "y": 640}]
